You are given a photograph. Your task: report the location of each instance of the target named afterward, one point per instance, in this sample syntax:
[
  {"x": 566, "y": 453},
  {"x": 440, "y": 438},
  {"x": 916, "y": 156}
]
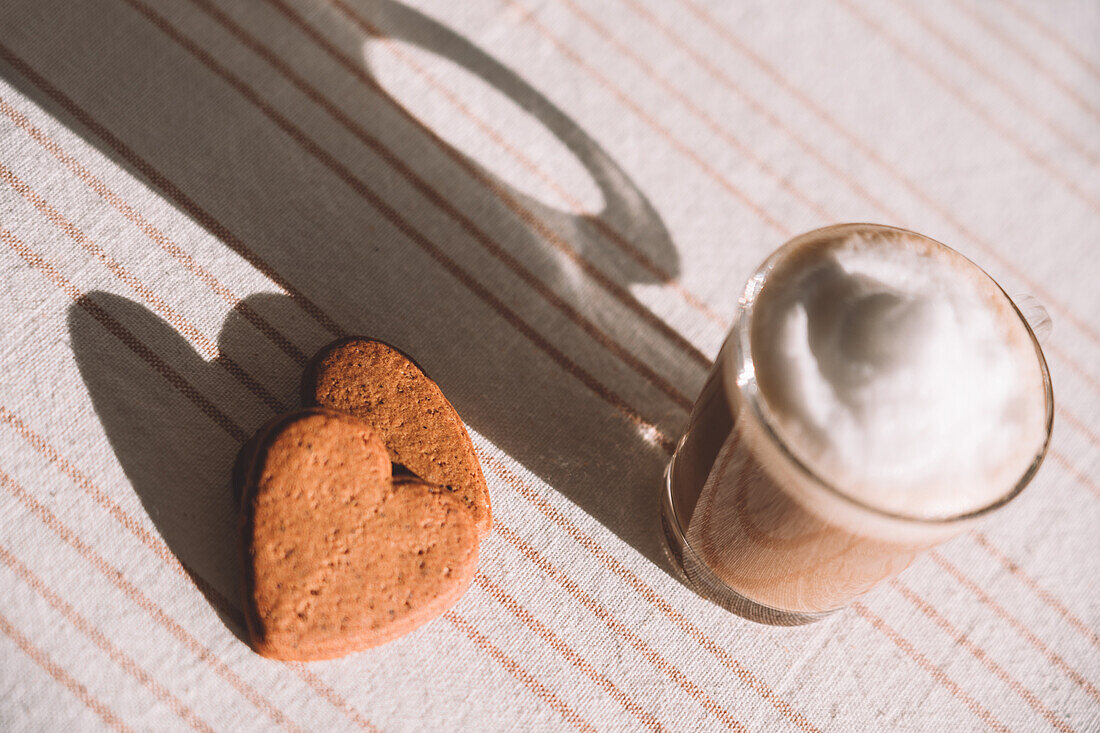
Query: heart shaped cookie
[
  {"x": 339, "y": 555},
  {"x": 422, "y": 431}
]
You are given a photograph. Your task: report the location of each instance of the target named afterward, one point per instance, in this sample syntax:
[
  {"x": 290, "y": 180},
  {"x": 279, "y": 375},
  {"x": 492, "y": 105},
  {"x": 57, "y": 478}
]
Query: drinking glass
[{"x": 755, "y": 528}]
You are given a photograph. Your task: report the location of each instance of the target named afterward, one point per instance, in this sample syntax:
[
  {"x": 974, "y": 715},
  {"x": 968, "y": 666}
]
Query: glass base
[{"x": 698, "y": 576}]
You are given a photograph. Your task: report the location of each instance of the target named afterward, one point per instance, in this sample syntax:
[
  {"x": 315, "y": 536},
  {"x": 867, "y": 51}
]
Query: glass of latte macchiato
[{"x": 878, "y": 394}]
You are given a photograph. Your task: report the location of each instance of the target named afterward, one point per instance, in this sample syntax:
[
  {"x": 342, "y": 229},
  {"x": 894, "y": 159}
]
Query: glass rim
[{"x": 747, "y": 387}]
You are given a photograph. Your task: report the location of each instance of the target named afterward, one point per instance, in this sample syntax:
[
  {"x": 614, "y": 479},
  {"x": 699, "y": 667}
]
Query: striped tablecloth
[{"x": 552, "y": 205}]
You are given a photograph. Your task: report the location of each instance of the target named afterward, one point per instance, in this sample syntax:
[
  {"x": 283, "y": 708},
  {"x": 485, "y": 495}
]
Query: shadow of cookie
[{"x": 178, "y": 457}]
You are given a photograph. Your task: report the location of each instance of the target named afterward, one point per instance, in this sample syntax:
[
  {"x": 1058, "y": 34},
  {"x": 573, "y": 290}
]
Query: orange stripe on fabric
[
  {"x": 980, "y": 654},
  {"x": 1046, "y": 596},
  {"x": 967, "y": 101},
  {"x": 555, "y": 642},
  {"x": 983, "y": 70},
  {"x": 89, "y": 630},
  {"x": 151, "y": 231},
  {"x": 120, "y": 515},
  {"x": 661, "y": 130},
  {"x": 184, "y": 326},
  {"x": 196, "y": 212},
  {"x": 540, "y": 690},
  {"x": 1081, "y": 427},
  {"x": 119, "y": 580},
  {"x": 1082, "y": 478},
  {"x": 334, "y": 698},
  {"x": 672, "y": 90},
  {"x": 1073, "y": 364},
  {"x": 924, "y": 663},
  {"x": 1033, "y": 60},
  {"x": 108, "y": 321},
  {"x": 1020, "y": 627},
  {"x": 1036, "y": 22},
  {"x": 727, "y": 81},
  {"x": 61, "y": 676},
  {"x": 635, "y": 641}
]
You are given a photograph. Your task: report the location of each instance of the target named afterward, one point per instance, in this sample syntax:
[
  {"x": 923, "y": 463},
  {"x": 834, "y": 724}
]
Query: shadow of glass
[
  {"x": 626, "y": 209},
  {"x": 220, "y": 155}
]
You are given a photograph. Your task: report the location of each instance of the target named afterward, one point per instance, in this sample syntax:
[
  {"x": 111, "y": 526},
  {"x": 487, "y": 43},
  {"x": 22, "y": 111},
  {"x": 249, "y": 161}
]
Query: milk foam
[{"x": 899, "y": 373}]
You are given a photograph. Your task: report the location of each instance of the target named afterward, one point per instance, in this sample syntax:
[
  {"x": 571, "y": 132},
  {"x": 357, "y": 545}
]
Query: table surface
[{"x": 553, "y": 206}]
